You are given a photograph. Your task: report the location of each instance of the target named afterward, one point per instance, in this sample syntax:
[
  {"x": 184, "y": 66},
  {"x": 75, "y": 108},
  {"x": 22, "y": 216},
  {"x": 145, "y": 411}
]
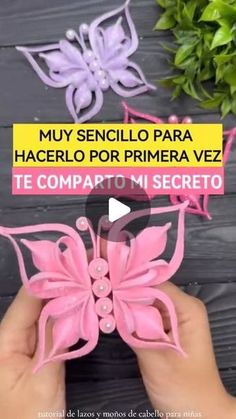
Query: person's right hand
[{"x": 177, "y": 384}]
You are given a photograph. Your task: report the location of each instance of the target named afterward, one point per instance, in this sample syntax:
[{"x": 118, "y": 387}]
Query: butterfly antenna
[
  {"x": 84, "y": 224},
  {"x": 72, "y": 35}
]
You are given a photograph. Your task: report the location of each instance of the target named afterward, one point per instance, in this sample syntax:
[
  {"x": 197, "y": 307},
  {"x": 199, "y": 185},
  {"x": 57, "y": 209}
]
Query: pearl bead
[
  {"x": 84, "y": 28},
  {"x": 107, "y": 324},
  {"x": 70, "y": 34},
  {"x": 173, "y": 119},
  {"x": 82, "y": 224},
  {"x": 88, "y": 56},
  {"x": 100, "y": 75},
  {"x": 98, "y": 268},
  {"x": 101, "y": 287},
  {"x": 104, "y": 84},
  {"x": 187, "y": 120},
  {"x": 94, "y": 65},
  {"x": 104, "y": 306}
]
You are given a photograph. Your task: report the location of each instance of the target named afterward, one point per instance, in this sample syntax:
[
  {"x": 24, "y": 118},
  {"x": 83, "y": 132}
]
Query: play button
[
  {"x": 115, "y": 202},
  {"x": 117, "y": 210}
]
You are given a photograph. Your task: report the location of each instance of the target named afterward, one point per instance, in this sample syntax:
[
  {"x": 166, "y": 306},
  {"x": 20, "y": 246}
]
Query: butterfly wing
[
  {"x": 113, "y": 47},
  {"x": 67, "y": 68},
  {"x": 135, "y": 276},
  {"x": 63, "y": 281}
]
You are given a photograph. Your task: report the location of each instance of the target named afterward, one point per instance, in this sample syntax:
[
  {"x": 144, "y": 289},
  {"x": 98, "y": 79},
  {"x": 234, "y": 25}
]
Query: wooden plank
[
  {"x": 122, "y": 395},
  {"x": 26, "y": 99},
  {"x": 42, "y": 22},
  {"x": 112, "y": 359},
  {"x": 112, "y": 395}
]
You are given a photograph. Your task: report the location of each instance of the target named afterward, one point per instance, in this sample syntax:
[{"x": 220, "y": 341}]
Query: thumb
[{"x": 192, "y": 320}]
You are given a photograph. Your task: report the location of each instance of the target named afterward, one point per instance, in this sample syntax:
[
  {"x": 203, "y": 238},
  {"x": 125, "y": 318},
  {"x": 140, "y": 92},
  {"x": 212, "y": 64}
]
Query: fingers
[
  {"x": 52, "y": 370},
  {"x": 192, "y": 319},
  {"x": 186, "y": 306},
  {"x": 18, "y": 327}
]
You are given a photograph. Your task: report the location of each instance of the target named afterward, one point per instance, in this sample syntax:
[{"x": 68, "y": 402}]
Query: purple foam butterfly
[{"x": 99, "y": 61}]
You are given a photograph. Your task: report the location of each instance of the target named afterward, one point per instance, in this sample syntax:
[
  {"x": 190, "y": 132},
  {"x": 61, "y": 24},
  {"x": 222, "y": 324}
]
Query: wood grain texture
[
  {"x": 111, "y": 396},
  {"x": 27, "y": 99},
  {"x": 41, "y": 22},
  {"x": 108, "y": 378}
]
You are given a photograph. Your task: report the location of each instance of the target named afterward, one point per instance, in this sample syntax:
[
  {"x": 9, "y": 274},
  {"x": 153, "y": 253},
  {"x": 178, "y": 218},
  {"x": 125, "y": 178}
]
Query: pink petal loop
[
  {"x": 43, "y": 254},
  {"x": 163, "y": 271},
  {"x": 156, "y": 237},
  {"x": 56, "y": 228},
  {"x": 88, "y": 327},
  {"x": 48, "y": 285},
  {"x": 126, "y": 324},
  {"x": 66, "y": 331},
  {"x": 148, "y": 324}
]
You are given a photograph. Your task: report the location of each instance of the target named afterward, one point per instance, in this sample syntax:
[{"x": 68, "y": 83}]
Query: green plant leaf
[
  {"x": 222, "y": 37},
  {"x": 212, "y": 103},
  {"x": 225, "y": 107},
  {"x": 224, "y": 58},
  {"x": 204, "y": 50},
  {"x": 161, "y": 3},
  {"x": 225, "y": 10},
  {"x": 230, "y": 75},
  {"x": 168, "y": 82},
  {"x": 165, "y": 22},
  {"x": 210, "y": 13},
  {"x": 189, "y": 88},
  {"x": 182, "y": 53},
  {"x": 191, "y": 7},
  {"x": 177, "y": 91},
  {"x": 233, "y": 106}
]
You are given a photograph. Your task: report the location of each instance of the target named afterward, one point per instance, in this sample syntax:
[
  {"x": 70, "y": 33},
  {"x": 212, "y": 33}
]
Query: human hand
[
  {"x": 24, "y": 394},
  {"x": 177, "y": 384}
]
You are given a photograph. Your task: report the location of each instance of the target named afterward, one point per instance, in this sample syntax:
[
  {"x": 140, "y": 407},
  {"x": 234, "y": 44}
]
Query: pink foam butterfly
[
  {"x": 99, "y": 61},
  {"x": 198, "y": 204},
  {"x": 87, "y": 294}
]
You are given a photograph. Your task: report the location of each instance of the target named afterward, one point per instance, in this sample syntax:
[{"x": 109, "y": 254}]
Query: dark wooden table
[{"x": 108, "y": 378}]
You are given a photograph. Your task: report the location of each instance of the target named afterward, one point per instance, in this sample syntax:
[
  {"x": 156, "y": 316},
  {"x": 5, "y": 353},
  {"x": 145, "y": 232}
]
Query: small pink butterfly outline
[
  {"x": 101, "y": 62},
  {"x": 86, "y": 295},
  {"x": 198, "y": 204}
]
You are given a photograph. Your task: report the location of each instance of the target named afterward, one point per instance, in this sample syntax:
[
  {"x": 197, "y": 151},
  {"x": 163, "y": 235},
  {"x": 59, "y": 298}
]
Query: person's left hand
[{"x": 24, "y": 394}]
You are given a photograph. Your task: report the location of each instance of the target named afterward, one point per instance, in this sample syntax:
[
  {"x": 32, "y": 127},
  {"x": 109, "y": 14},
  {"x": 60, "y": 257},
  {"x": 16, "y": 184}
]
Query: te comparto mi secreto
[{"x": 156, "y": 181}]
